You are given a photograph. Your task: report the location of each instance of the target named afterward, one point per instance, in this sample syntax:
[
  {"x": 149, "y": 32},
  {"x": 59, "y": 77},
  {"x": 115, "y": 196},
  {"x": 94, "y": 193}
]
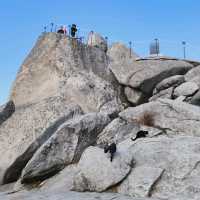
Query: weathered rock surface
[
  {"x": 192, "y": 74},
  {"x": 167, "y": 115},
  {"x": 141, "y": 181},
  {"x": 97, "y": 173},
  {"x": 61, "y": 182},
  {"x": 186, "y": 89},
  {"x": 50, "y": 195},
  {"x": 96, "y": 40},
  {"x": 112, "y": 108},
  {"x": 43, "y": 136},
  {"x": 65, "y": 146},
  {"x": 117, "y": 131},
  {"x": 22, "y": 129},
  {"x": 146, "y": 74},
  {"x": 90, "y": 92},
  {"x": 164, "y": 94},
  {"x": 134, "y": 96},
  {"x": 196, "y": 99},
  {"x": 6, "y": 111},
  {"x": 119, "y": 51},
  {"x": 52, "y": 61},
  {"x": 172, "y": 81},
  {"x": 179, "y": 158}
]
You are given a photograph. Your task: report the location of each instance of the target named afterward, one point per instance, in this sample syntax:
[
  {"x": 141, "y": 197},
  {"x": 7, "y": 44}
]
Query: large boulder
[
  {"x": 134, "y": 96},
  {"x": 117, "y": 131},
  {"x": 193, "y": 75},
  {"x": 146, "y": 74},
  {"x": 61, "y": 182},
  {"x": 97, "y": 173},
  {"x": 90, "y": 92},
  {"x": 64, "y": 147},
  {"x": 51, "y": 62},
  {"x": 6, "y": 111},
  {"x": 172, "y": 81},
  {"x": 51, "y": 195},
  {"x": 119, "y": 51},
  {"x": 19, "y": 134},
  {"x": 164, "y": 94},
  {"x": 164, "y": 168},
  {"x": 96, "y": 40},
  {"x": 141, "y": 181},
  {"x": 186, "y": 89},
  {"x": 167, "y": 115}
]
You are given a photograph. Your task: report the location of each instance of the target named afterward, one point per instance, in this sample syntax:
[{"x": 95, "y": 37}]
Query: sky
[{"x": 139, "y": 21}]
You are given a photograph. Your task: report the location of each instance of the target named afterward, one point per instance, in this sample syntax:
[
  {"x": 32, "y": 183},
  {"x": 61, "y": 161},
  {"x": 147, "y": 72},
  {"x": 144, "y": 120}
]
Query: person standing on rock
[
  {"x": 73, "y": 30},
  {"x": 112, "y": 148},
  {"x": 90, "y": 37},
  {"x": 65, "y": 30}
]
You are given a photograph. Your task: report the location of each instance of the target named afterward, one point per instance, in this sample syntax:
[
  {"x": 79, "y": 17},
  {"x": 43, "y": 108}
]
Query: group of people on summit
[{"x": 72, "y": 31}]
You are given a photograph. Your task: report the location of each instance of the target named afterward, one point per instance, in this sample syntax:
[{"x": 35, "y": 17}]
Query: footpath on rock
[{"x": 70, "y": 99}]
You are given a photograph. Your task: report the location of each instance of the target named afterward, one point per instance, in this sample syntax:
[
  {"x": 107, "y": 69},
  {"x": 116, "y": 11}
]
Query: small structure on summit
[{"x": 154, "y": 48}]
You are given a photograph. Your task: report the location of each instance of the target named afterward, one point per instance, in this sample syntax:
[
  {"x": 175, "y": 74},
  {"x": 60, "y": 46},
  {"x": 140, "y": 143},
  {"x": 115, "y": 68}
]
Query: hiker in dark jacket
[
  {"x": 73, "y": 30},
  {"x": 112, "y": 148}
]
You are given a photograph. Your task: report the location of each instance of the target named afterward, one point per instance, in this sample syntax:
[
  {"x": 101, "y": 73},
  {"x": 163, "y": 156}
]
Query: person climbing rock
[
  {"x": 140, "y": 134},
  {"x": 112, "y": 148},
  {"x": 73, "y": 30}
]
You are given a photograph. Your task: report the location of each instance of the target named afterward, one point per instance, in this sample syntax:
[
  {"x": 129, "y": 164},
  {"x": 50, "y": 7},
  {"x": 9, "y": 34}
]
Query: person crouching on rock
[
  {"x": 60, "y": 30},
  {"x": 112, "y": 148}
]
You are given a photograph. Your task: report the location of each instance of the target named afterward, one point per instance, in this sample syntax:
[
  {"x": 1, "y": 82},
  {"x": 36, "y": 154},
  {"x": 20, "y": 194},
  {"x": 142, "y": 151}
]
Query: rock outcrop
[
  {"x": 167, "y": 115},
  {"x": 19, "y": 134},
  {"x": 6, "y": 111},
  {"x": 146, "y": 74},
  {"x": 97, "y": 173},
  {"x": 165, "y": 168},
  {"x": 186, "y": 89},
  {"x": 68, "y": 102},
  {"x": 172, "y": 81},
  {"x": 64, "y": 147},
  {"x": 57, "y": 63}
]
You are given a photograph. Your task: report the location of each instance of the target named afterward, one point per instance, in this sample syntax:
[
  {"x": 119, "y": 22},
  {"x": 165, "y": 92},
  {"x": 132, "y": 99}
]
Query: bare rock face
[
  {"x": 193, "y": 75},
  {"x": 61, "y": 182},
  {"x": 6, "y": 111},
  {"x": 96, "y": 40},
  {"x": 165, "y": 168},
  {"x": 144, "y": 75},
  {"x": 172, "y": 81},
  {"x": 90, "y": 92},
  {"x": 23, "y": 128},
  {"x": 120, "y": 130},
  {"x": 134, "y": 96},
  {"x": 97, "y": 173},
  {"x": 186, "y": 89},
  {"x": 64, "y": 147},
  {"x": 117, "y": 131},
  {"x": 196, "y": 99},
  {"x": 51, "y": 195},
  {"x": 119, "y": 51},
  {"x": 140, "y": 182},
  {"x": 51, "y": 67},
  {"x": 167, "y": 115},
  {"x": 164, "y": 94}
]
